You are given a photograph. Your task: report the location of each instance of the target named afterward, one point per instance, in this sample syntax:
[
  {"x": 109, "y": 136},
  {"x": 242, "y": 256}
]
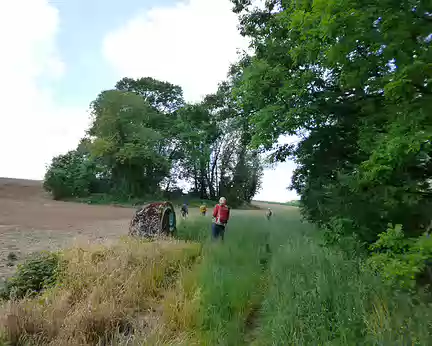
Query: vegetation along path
[{"x": 270, "y": 283}]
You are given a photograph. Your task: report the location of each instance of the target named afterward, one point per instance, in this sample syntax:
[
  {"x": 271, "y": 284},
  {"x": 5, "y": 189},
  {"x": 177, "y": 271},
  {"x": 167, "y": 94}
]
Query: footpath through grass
[{"x": 292, "y": 292}]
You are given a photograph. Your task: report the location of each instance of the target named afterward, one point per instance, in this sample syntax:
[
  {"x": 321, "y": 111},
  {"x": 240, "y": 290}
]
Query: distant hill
[{"x": 293, "y": 203}]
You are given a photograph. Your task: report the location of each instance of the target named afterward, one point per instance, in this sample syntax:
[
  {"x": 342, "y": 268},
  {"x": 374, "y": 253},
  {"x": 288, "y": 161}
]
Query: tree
[
  {"x": 122, "y": 135},
  {"x": 162, "y": 96},
  {"x": 70, "y": 175},
  {"x": 352, "y": 80},
  {"x": 167, "y": 100},
  {"x": 197, "y": 133},
  {"x": 143, "y": 138}
]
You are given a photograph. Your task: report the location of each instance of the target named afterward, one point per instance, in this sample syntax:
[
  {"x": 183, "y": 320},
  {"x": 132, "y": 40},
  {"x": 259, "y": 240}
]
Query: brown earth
[{"x": 31, "y": 221}]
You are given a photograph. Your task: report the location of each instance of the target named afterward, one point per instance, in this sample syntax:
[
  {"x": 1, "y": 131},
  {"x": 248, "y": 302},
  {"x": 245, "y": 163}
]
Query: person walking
[
  {"x": 184, "y": 210},
  {"x": 221, "y": 214},
  {"x": 269, "y": 214},
  {"x": 203, "y": 209}
]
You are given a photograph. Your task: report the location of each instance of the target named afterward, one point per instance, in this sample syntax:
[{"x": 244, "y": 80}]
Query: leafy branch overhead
[{"x": 352, "y": 80}]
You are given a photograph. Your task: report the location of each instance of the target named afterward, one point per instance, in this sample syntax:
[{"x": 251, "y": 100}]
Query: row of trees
[
  {"x": 144, "y": 139},
  {"x": 351, "y": 79}
]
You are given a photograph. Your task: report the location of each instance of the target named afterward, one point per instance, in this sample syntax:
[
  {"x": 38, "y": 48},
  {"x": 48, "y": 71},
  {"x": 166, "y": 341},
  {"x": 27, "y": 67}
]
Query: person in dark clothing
[{"x": 184, "y": 210}]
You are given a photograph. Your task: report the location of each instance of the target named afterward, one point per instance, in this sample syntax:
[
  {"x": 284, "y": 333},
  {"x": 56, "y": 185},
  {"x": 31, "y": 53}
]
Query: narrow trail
[
  {"x": 269, "y": 246},
  {"x": 233, "y": 277}
]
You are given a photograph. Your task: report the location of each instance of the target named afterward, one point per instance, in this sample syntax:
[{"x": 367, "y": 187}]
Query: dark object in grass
[
  {"x": 153, "y": 220},
  {"x": 265, "y": 256},
  {"x": 12, "y": 257}
]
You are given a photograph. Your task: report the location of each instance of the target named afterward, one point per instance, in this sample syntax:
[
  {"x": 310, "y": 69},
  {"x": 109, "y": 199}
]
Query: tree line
[
  {"x": 353, "y": 81},
  {"x": 144, "y": 139}
]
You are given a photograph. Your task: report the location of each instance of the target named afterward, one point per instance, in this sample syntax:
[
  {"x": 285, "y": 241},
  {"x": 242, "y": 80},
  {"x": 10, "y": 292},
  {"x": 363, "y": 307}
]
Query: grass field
[{"x": 269, "y": 283}]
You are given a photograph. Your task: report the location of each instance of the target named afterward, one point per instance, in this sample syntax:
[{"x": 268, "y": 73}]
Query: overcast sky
[{"x": 58, "y": 55}]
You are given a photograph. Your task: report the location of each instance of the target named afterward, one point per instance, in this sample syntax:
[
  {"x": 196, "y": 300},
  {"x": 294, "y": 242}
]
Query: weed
[{"x": 39, "y": 271}]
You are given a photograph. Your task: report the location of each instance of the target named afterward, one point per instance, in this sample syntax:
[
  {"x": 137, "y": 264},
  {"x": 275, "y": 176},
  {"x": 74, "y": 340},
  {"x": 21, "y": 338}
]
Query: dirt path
[{"x": 30, "y": 221}]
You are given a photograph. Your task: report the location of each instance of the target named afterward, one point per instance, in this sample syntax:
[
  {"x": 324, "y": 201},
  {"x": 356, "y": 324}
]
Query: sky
[{"x": 57, "y": 55}]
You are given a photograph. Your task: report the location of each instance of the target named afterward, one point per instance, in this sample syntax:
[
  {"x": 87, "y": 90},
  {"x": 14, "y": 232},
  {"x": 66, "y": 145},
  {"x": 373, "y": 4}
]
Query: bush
[
  {"x": 38, "y": 272},
  {"x": 400, "y": 260},
  {"x": 70, "y": 175}
]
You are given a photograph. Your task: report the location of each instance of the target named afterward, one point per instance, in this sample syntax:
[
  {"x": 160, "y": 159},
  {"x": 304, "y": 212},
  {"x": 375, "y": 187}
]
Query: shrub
[
  {"x": 400, "y": 260},
  {"x": 39, "y": 271},
  {"x": 69, "y": 175}
]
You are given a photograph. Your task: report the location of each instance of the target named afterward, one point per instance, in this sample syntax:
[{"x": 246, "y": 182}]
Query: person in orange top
[{"x": 221, "y": 214}]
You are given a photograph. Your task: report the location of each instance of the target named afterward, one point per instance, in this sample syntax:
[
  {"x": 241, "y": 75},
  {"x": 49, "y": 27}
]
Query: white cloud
[
  {"x": 32, "y": 127},
  {"x": 191, "y": 44}
]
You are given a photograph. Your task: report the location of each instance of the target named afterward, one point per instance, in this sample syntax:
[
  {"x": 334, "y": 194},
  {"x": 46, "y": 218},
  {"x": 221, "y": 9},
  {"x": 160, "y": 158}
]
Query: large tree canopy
[
  {"x": 144, "y": 140},
  {"x": 124, "y": 134},
  {"x": 353, "y": 81}
]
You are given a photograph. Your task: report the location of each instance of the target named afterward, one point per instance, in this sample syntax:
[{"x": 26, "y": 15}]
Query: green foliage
[
  {"x": 317, "y": 296},
  {"x": 401, "y": 261},
  {"x": 39, "y": 271},
  {"x": 162, "y": 96},
  {"x": 126, "y": 141},
  {"x": 118, "y": 200},
  {"x": 292, "y": 292},
  {"x": 353, "y": 81},
  {"x": 70, "y": 175},
  {"x": 144, "y": 139}
]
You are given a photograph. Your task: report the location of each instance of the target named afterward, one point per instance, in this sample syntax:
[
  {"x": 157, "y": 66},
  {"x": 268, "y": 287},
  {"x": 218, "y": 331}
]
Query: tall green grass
[
  {"x": 230, "y": 279},
  {"x": 300, "y": 293},
  {"x": 317, "y": 296}
]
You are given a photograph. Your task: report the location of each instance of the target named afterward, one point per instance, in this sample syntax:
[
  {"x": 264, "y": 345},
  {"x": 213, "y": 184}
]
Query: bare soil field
[{"x": 30, "y": 221}]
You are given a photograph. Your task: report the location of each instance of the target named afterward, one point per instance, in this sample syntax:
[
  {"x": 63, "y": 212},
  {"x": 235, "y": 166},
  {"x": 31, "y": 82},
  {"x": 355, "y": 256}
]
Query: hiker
[
  {"x": 184, "y": 210},
  {"x": 221, "y": 214},
  {"x": 203, "y": 209},
  {"x": 269, "y": 214}
]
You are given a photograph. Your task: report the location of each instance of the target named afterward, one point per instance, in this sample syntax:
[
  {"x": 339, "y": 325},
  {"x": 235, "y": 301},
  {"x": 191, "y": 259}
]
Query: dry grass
[{"x": 107, "y": 295}]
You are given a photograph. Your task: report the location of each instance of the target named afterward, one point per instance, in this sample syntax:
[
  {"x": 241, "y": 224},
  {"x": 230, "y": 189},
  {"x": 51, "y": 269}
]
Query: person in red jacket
[{"x": 221, "y": 214}]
